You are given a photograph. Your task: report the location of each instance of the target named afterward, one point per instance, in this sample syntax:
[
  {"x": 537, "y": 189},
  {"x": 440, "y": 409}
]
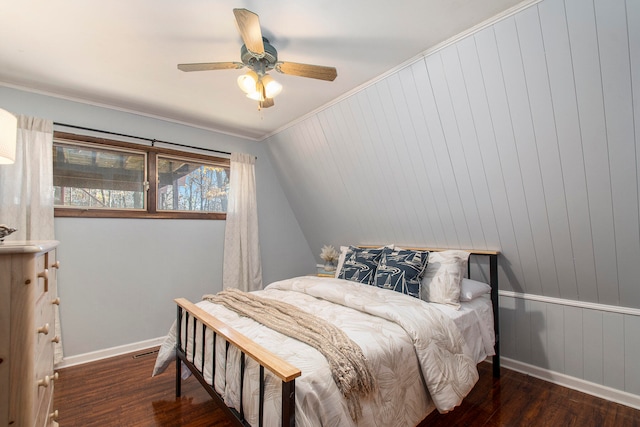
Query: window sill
[{"x": 106, "y": 213}]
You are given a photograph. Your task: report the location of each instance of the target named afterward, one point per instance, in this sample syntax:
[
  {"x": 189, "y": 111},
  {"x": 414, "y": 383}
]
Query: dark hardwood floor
[{"x": 121, "y": 392}]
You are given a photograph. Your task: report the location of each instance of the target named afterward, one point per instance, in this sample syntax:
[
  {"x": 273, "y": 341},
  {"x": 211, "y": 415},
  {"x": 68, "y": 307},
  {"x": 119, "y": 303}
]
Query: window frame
[{"x": 152, "y": 153}]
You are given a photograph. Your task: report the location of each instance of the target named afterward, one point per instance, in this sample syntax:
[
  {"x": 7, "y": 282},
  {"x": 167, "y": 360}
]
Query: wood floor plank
[
  {"x": 121, "y": 392},
  {"x": 521, "y": 400}
]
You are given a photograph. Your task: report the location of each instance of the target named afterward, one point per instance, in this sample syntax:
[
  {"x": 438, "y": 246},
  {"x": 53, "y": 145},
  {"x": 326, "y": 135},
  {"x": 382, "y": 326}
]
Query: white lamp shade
[
  {"x": 271, "y": 87},
  {"x": 258, "y": 93},
  {"x": 247, "y": 82},
  {"x": 255, "y": 96},
  {"x": 8, "y": 133}
]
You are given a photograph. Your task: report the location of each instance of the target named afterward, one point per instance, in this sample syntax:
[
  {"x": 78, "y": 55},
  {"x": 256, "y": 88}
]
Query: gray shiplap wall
[
  {"x": 594, "y": 347},
  {"x": 522, "y": 137}
]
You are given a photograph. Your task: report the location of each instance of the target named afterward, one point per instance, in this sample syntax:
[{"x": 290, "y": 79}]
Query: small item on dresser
[{"x": 5, "y": 230}]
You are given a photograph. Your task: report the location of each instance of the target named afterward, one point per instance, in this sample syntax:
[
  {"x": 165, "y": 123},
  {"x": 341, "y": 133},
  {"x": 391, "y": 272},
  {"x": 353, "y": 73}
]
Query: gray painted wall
[
  {"x": 522, "y": 137},
  {"x": 119, "y": 276}
]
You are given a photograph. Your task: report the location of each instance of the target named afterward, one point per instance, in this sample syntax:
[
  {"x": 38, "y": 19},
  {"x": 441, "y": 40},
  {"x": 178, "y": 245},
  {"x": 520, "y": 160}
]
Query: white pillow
[
  {"x": 442, "y": 278},
  {"x": 470, "y": 289}
]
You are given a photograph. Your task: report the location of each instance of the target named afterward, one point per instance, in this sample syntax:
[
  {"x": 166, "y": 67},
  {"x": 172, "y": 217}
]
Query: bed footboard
[{"x": 189, "y": 313}]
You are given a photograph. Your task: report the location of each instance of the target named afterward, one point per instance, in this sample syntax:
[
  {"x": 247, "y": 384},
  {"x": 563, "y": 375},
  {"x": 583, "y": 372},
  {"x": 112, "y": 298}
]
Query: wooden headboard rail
[
  {"x": 493, "y": 282},
  {"x": 471, "y": 251}
]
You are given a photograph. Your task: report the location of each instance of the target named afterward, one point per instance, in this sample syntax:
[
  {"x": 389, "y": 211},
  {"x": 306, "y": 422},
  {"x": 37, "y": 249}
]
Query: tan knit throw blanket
[{"x": 348, "y": 365}]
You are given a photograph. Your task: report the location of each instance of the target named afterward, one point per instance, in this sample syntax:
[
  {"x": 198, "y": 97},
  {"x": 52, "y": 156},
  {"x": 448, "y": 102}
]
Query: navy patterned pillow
[
  {"x": 401, "y": 270},
  {"x": 360, "y": 265}
]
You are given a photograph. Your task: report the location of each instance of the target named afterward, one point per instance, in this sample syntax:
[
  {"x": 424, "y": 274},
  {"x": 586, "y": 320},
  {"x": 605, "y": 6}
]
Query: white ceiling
[{"x": 124, "y": 54}]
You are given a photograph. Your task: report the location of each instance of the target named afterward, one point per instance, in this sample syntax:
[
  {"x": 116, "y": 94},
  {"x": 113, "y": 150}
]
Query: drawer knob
[
  {"x": 44, "y": 382},
  {"x": 55, "y": 339},
  {"x": 54, "y": 415},
  {"x": 55, "y": 264},
  {"x": 54, "y": 377},
  {"x": 44, "y": 329},
  {"x": 44, "y": 274},
  {"x": 56, "y": 301}
]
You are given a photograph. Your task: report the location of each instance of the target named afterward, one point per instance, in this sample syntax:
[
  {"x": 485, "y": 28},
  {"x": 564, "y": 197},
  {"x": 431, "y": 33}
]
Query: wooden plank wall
[
  {"x": 593, "y": 345},
  {"x": 521, "y": 137}
]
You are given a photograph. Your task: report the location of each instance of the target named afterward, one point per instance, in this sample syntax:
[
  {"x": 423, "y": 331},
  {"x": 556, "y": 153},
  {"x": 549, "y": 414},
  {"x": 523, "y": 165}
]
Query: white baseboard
[
  {"x": 109, "y": 352},
  {"x": 598, "y": 390}
]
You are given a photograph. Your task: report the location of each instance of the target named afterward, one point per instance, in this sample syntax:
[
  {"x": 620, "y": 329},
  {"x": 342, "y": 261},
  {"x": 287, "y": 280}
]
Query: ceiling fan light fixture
[
  {"x": 259, "y": 93},
  {"x": 255, "y": 96},
  {"x": 271, "y": 87},
  {"x": 266, "y": 87},
  {"x": 247, "y": 82}
]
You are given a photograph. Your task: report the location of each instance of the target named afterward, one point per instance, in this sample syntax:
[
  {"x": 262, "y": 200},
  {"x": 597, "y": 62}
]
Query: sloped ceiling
[
  {"x": 124, "y": 54},
  {"x": 522, "y": 137}
]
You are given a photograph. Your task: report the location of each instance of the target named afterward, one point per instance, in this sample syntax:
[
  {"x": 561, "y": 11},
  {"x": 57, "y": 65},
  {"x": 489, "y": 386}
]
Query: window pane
[
  {"x": 86, "y": 176},
  {"x": 192, "y": 186}
]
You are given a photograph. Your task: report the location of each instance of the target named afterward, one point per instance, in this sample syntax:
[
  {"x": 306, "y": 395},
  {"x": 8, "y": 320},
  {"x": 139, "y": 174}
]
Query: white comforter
[{"x": 407, "y": 342}]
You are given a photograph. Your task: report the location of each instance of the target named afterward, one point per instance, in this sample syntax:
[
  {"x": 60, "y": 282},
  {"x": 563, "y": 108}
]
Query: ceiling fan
[{"x": 260, "y": 56}]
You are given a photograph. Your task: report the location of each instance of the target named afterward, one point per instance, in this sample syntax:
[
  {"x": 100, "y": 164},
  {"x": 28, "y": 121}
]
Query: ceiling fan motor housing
[{"x": 255, "y": 62}]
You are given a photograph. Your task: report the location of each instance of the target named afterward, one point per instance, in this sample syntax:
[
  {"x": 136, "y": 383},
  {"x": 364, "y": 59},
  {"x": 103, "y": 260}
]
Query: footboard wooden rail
[{"x": 280, "y": 368}]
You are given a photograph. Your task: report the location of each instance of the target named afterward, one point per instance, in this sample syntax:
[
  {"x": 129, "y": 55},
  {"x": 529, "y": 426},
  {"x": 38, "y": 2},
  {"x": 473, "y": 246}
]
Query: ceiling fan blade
[
  {"x": 305, "y": 70},
  {"x": 249, "y": 26},
  {"x": 268, "y": 102},
  {"x": 206, "y": 66}
]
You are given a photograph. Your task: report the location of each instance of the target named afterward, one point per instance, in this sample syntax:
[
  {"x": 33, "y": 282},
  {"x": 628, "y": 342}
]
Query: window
[
  {"x": 186, "y": 185},
  {"x": 94, "y": 177}
]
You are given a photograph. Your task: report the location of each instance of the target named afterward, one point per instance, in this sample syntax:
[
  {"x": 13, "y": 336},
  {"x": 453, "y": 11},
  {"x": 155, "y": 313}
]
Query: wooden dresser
[{"x": 28, "y": 295}]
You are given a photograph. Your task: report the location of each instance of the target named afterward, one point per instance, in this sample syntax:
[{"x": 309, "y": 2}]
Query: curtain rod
[{"x": 151, "y": 140}]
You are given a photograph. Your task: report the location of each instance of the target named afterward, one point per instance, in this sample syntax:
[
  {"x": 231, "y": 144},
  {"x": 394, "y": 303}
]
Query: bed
[{"x": 421, "y": 355}]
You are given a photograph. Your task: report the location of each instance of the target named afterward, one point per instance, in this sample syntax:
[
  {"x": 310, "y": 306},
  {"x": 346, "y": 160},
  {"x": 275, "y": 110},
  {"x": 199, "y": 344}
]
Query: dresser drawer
[
  {"x": 44, "y": 308},
  {"x": 46, "y": 301},
  {"x": 44, "y": 366},
  {"x": 44, "y": 410},
  {"x": 45, "y": 342},
  {"x": 44, "y": 373},
  {"x": 42, "y": 273},
  {"x": 46, "y": 266}
]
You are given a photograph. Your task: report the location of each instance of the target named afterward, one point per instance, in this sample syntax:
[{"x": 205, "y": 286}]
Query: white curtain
[
  {"x": 26, "y": 187},
  {"x": 26, "y": 190},
  {"x": 242, "y": 267}
]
